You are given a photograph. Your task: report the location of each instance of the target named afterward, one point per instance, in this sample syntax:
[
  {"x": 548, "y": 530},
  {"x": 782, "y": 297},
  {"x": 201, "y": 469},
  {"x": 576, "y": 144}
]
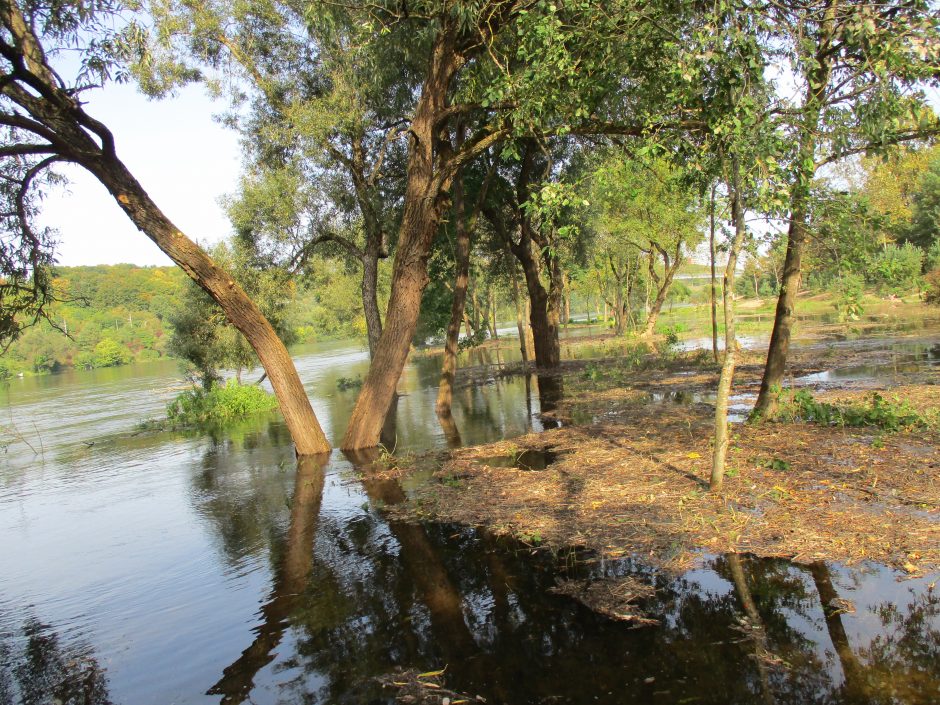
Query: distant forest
[{"x": 110, "y": 315}]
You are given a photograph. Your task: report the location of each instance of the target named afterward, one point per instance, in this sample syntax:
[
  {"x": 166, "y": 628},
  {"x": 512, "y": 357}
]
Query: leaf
[
  {"x": 694, "y": 455},
  {"x": 432, "y": 674}
]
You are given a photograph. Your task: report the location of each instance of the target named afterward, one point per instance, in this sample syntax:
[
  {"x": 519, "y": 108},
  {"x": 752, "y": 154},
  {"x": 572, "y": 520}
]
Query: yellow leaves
[{"x": 693, "y": 455}]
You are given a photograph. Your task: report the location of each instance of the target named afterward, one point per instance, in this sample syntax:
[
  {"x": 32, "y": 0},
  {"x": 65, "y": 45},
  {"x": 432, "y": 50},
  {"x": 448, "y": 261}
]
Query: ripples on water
[{"x": 159, "y": 568}]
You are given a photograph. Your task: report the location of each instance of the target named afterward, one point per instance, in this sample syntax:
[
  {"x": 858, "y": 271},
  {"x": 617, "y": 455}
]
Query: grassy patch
[
  {"x": 219, "y": 405},
  {"x": 877, "y": 411}
]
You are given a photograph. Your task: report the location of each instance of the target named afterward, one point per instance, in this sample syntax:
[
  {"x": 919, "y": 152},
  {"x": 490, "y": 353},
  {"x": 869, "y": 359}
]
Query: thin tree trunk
[
  {"x": 731, "y": 344},
  {"x": 520, "y": 317},
  {"x": 671, "y": 267},
  {"x": 370, "y": 301},
  {"x": 445, "y": 392},
  {"x": 240, "y": 310},
  {"x": 493, "y": 314},
  {"x": 713, "y": 290},
  {"x": 775, "y": 366}
]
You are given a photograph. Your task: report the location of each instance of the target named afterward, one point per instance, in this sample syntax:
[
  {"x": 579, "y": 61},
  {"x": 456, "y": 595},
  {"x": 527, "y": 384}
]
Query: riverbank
[{"x": 626, "y": 471}]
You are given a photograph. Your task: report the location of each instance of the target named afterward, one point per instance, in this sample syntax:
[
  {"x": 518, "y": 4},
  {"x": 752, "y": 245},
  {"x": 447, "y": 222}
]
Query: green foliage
[
  {"x": 924, "y": 228},
  {"x": 344, "y": 383},
  {"x": 849, "y": 291},
  {"x": 221, "y": 404},
  {"x": 889, "y": 415},
  {"x": 932, "y": 287},
  {"x": 896, "y": 269},
  {"x": 123, "y": 304},
  {"x": 202, "y": 336}
]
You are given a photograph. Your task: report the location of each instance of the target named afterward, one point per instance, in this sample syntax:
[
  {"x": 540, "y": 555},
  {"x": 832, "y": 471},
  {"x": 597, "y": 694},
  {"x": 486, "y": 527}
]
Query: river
[{"x": 208, "y": 567}]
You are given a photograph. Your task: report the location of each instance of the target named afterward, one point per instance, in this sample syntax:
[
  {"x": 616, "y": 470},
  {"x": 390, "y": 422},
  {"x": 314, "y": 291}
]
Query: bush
[
  {"x": 932, "y": 287},
  {"x": 849, "y": 291},
  {"x": 896, "y": 270},
  {"x": 220, "y": 404}
]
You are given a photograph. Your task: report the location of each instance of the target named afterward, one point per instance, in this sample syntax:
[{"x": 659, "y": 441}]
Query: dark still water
[{"x": 163, "y": 568}]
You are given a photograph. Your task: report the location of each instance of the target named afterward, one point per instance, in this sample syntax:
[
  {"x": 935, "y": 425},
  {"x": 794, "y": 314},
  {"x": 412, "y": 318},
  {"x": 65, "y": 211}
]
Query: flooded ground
[{"x": 168, "y": 568}]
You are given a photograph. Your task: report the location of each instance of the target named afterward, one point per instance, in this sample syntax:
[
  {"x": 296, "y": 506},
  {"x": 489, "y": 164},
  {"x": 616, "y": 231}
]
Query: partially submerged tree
[{"x": 47, "y": 125}]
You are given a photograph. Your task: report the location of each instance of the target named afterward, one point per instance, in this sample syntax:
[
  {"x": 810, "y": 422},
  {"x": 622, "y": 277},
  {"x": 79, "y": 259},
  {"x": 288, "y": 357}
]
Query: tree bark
[
  {"x": 816, "y": 86},
  {"x": 520, "y": 319},
  {"x": 671, "y": 266},
  {"x": 775, "y": 365},
  {"x": 731, "y": 344},
  {"x": 445, "y": 392},
  {"x": 240, "y": 310},
  {"x": 425, "y": 201},
  {"x": 370, "y": 300},
  {"x": 712, "y": 288}
]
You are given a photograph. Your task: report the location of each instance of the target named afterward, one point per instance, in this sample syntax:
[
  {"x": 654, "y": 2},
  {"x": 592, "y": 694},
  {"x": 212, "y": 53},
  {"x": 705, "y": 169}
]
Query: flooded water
[{"x": 206, "y": 568}]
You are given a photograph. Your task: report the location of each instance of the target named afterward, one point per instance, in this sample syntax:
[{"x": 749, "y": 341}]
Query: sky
[{"x": 182, "y": 157}]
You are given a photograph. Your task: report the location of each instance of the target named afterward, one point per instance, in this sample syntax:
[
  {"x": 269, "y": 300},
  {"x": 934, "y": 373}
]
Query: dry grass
[{"x": 635, "y": 484}]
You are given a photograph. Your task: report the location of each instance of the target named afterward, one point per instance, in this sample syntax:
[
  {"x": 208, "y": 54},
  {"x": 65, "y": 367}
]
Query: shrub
[
  {"x": 849, "y": 291},
  {"x": 896, "y": 270},
  {"x": 932, "y": 287},
  {"x": 220, "y": 404}
]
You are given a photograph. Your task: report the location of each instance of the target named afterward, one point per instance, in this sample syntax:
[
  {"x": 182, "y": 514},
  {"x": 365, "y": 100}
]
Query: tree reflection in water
[
  {"x": 36, "y": 667},
  {"x": 357, "y": 593}
]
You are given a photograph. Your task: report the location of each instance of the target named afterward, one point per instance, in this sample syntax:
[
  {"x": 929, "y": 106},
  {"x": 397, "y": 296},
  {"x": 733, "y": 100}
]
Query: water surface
[{"x": 205, "y": 568}]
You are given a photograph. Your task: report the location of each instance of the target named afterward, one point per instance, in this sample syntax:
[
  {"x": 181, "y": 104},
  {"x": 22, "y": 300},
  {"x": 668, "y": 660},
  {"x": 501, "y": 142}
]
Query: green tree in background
[{"x": 202, "y": 337}]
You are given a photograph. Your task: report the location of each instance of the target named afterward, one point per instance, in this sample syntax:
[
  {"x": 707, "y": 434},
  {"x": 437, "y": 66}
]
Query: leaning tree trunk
[
  {"x": 520, "y": 319},
  {"x": 784, "y": 317},
  {"x": 240, "y": 310},
  {"x": 720, "y": 451},
  {"x": 424, "y": 205}
]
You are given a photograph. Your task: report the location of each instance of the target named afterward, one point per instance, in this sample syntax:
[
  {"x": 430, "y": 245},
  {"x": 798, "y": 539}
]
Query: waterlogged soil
[{"x": 632, "y": 435}]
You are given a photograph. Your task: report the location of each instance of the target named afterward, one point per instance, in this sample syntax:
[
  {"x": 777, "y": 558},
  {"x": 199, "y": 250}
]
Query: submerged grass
[{"x": 220, "y": 404}]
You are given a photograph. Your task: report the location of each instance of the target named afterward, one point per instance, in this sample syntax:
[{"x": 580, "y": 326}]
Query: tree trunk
[
  {"x": 520, "y": 319},
  {"x": 445, "y": 392},
  {"x": 544, "y": 333},
  {"x": 816, "y": 86},
  {"x": 424, "y": 203},
  {"x": 720, "y": 451},
  {"x": 370, "y": 301},
  {"x": 775, "y": 366},
  {"x": 671, "y": 267},
  {"x": 713, "y": 291},
  {"x": 240, "y": 310},
  {"x": 493, "y": 331}
]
